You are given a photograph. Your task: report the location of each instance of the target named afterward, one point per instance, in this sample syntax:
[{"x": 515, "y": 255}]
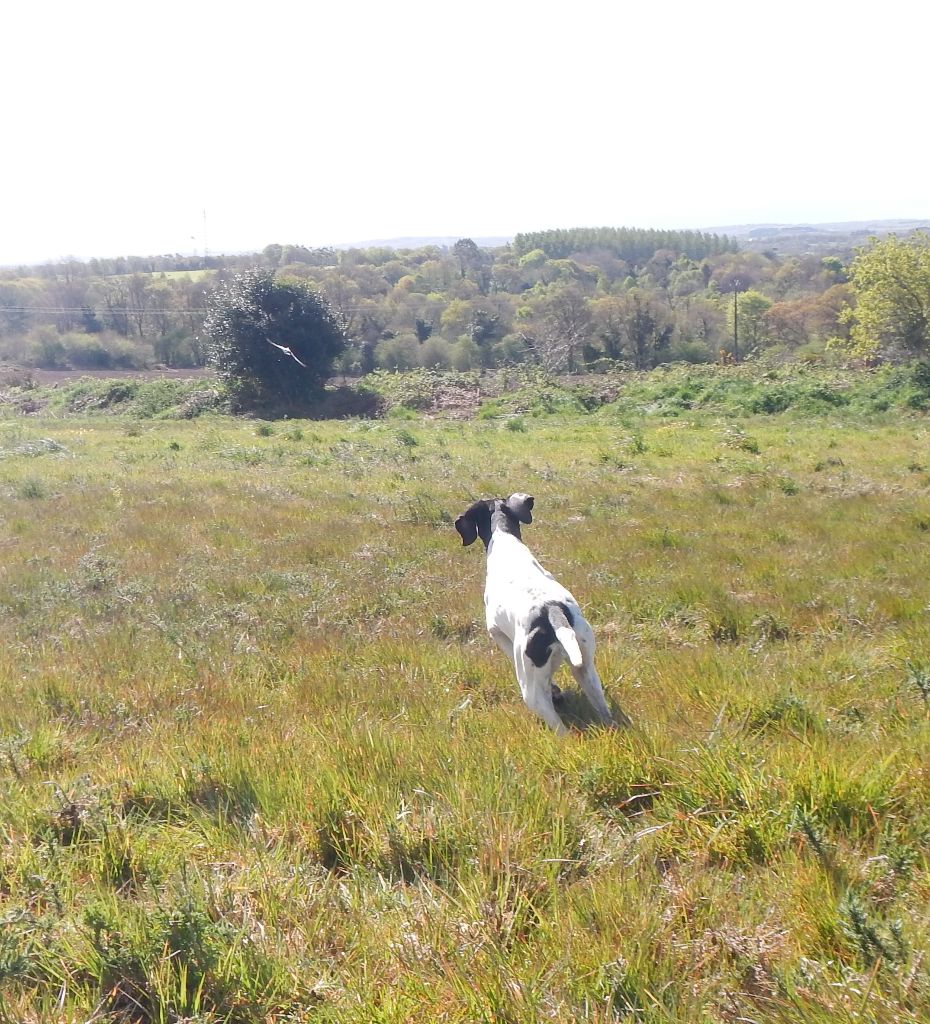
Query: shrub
[
  {"x": 273, "y": 343},
  {"x": 466, "y": 355},
  {"x": 399, "y": 353},
  {"x": 435, "y": 353}
]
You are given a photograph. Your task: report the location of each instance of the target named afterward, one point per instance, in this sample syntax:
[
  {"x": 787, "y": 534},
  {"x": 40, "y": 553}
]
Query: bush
[
  {"x": 510, "y": 350},
  {"x": 105, "y": 351},
  {"x": 273, "y": 343},
  {"x": 435, "y": 353},
  {"x": 691, "y": 352},
  {"x": 466, "y": 355},
  {"x": 178, "y": 348},
  {"x": 400, "y": 353}
]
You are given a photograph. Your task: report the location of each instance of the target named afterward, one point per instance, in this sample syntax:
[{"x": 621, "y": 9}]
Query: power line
[
  {"x": 132, "y": 311},
  {"x": 123, "y": 310}
]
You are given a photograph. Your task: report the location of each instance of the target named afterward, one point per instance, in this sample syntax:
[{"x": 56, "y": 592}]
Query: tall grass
[{"x": 260, "y": 761}]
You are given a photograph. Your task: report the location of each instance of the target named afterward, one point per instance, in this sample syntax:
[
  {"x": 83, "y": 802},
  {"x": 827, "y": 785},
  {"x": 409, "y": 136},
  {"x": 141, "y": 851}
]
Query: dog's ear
[
  {"x": 475, "y": 522},
  {"x": 468, "y": 531},
  {"x": 521, "y": 506}
]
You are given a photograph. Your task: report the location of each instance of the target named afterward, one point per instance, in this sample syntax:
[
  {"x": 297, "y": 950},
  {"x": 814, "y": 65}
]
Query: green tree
[
  {"x": 15, "y": 300},
  {"x": 273, "y": 343},
  {"x": 467, "y": 253},
  {"x": 751, "y": 312},
  {"x": 648, "y": 330},
  {"x": 484, "y": 327},
  {"x": 891, "y": 283},
  {"x": 556, "y": 327},
  {"x": 609, "y": 319},
  {"x": 473, "y": 263},
  {"x": 455, "y": 318},
  {"x": 635, "y": 324},
  {"x": 273, "y": 254}
]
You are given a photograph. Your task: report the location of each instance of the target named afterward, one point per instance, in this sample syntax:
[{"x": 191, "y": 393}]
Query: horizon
[
  {"x": 317, "y": 127},
  {"x": 487, "y": 241}
]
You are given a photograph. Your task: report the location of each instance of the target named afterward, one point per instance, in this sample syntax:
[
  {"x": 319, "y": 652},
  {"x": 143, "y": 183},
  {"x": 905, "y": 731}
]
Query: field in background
[{"x": 260, "y": 761}]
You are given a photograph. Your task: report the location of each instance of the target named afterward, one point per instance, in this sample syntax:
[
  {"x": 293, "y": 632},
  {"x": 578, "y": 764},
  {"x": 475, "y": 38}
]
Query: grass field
[{"x": 260, "y": 761}]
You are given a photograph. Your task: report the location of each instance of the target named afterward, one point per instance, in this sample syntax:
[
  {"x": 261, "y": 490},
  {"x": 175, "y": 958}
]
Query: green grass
[{"x": 260, "y": 762}]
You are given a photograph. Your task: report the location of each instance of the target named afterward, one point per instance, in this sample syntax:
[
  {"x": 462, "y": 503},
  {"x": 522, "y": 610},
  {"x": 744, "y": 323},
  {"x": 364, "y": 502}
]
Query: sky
[{"x": 173, "y": 127}]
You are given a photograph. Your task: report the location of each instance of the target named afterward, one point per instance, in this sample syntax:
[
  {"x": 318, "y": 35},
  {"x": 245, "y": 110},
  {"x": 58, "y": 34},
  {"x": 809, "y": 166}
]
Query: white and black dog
[{"x": 533, "y": 619}]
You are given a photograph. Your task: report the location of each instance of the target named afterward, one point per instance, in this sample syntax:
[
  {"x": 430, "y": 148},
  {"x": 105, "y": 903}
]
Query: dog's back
[{"x": 517, "y": 585}]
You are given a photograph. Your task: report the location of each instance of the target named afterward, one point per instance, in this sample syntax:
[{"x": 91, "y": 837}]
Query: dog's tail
[{"x": 561, "y": 625}]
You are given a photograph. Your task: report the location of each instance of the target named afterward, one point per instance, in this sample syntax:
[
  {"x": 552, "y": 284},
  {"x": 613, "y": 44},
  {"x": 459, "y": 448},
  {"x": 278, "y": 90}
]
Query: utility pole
[{"x": 736, "y": 284}]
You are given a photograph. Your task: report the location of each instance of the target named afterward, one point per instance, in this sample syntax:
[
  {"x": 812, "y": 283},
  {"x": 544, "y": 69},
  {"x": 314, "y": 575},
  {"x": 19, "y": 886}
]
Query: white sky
[{"x": 327, "y": 122}]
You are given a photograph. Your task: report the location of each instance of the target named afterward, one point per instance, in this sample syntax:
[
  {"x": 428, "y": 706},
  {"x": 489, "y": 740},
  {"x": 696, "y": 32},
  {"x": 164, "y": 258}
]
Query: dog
[{"x": 532, "y": 618}]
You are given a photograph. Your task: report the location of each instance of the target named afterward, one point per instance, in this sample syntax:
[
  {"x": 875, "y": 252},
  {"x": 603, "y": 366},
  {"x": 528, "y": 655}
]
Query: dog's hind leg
[
  {"x": 506, "y": 645},
  {"x": 590, "y": 682},
  {"x": 536, "y": 687}
]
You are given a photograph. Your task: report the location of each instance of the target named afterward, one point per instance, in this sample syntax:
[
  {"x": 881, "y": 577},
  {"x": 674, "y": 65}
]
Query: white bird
[{"x": 287, "y": 352}]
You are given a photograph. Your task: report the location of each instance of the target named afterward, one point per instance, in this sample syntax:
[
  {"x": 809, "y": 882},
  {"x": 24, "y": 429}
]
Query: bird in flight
[{"x": 287, "y": 352}]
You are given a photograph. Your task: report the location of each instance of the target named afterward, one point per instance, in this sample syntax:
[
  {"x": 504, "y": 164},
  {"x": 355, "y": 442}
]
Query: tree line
[
  {"x": 565, "y": 299},
  {"x": 632, "y": 244}
]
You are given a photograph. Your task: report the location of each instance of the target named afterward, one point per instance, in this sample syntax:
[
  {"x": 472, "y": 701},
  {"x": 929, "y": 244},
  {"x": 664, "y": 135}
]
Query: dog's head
[{"x": 483, "y": 517}]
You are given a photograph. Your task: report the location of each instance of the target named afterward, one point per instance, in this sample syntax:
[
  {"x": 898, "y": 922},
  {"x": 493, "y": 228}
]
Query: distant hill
[
  {"x": 418, "y": 242},
  {"x": 786, "y": 239},
  {"x": 836, "y": 237}
]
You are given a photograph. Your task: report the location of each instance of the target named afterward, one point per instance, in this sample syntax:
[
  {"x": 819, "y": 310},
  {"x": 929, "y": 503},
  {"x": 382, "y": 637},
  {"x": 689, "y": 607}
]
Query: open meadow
[{"x": 260, "y": 761}]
